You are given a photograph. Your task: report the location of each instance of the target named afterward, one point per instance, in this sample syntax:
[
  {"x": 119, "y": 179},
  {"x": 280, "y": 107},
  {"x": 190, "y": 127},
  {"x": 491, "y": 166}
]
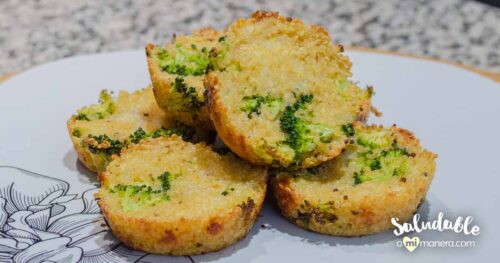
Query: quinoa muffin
[
  {"x": 383, "y": 173},
  {"x": 280, "y": 92},
  {"x": 177, "y": 72},
  {"x": 168, "y": 196},
  {"x": 100, "y": 131}
]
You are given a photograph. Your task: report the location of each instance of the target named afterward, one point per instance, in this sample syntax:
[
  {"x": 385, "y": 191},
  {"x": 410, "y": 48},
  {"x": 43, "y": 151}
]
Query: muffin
[
  {"x": 279, "y": 93},
  {"x": 383, "y": 173},
  {"x": 100, "y": 131},
  {"x": 168, "y": 196},
  {"x": 177, "y": 72}
]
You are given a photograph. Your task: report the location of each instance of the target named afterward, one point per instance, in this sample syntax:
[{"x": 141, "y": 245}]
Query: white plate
[{"x": 454, "y": 113}]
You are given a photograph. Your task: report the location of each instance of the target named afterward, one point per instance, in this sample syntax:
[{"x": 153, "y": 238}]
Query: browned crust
[
  {"x": 160, "y": 82},
  {"x": 208, "y": 33},
  {"x": 184, "y": 236},
  {"x": 286, "y": 196},
  {"x": 235, "y": 141},
  {"x": 263, "y": 14},
  {"x": 83, "y": 154}
]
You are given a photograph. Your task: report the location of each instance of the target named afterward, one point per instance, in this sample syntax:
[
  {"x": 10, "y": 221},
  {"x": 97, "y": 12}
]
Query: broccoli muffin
[
  {"x": 280, "y": 92},
  {"x": 168, "y": 196},
  {"x": 383, "y": 173},
  {"x": 177, "y": 72},
  {"x": 100, "y": 131}
]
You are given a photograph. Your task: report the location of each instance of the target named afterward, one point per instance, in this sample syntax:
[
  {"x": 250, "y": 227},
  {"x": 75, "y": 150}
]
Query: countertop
[{"x": 36, "y": 32}]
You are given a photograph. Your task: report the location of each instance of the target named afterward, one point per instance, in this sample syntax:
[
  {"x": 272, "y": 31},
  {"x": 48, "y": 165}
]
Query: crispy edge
[
  {"x": 93, "y": 162},
  {"x": 235, "y": 141},
  {"x": 184, "y": 236},
  {"x": 207, "y": 33}
]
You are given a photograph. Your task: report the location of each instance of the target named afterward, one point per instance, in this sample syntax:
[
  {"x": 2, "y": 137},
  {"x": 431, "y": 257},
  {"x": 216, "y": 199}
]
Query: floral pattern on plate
[{"x": 41, "y": 222}]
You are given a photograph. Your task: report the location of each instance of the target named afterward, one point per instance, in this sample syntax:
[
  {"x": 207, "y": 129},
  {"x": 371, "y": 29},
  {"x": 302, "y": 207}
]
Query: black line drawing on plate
[{"x": 41, "y": 222}]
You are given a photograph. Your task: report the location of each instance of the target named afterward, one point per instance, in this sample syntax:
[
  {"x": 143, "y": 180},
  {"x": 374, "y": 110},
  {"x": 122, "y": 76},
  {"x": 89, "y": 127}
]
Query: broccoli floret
[
  {"x": 348, "y": 129},
  {"x": 165, "y": 181},
  {"x": 301, "y": 135},
  {"x": 134, "y": 196},
  {"x": 138, "y": 135},
  {"x": 375, "y": 139},
  {"x": 325, "y": 134},
  {"x": 250, "y": 105},
  {"x": 77, "y": 132},
  {"x": 291, "y": 125},
  {"x": 179, "y": 129},
  {"x": 380, "y": 165},
  {"x": 166, "y": 132},
  {"x": 227, "y": 191},
  {"x": 217, "y": 54},
  {"x": 188, "y": 93},
  {"x": 253, "y": 104},
  {"x": 103, "y": 144},
  {"x": 374, "y": 164},
  {"x": 185, "y": 61},
  {"x": 82, "y": 117},
  {"x": 222, "y": 39},
  {"x": 105, "y": 107}
]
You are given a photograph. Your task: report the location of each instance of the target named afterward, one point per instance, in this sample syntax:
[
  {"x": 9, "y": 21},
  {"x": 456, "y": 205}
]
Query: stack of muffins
[{"x": 184, "y": 163}]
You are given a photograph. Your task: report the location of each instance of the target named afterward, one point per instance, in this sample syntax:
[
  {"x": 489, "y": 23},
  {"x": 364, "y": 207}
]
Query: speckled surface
[{"x": 36, "y": 32}]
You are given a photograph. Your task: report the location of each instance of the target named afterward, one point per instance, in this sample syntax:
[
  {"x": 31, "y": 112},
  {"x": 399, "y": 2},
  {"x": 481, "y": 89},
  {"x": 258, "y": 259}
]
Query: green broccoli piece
[
  {"x": 375, "y": 139},
  {"x": 222, "y": 39},
  {"x": 188, "y": 93},
  {"x": 165, "y": 181},
  {"x": 179, "y": 129},
  {"x": 253, "y": 104},
  {"x": 104, "y": 108},
  {"x": 348, "y": 129},
  {"x": 380, "y": 165},
  {"x": 134, "y": 196},
  {"x": 227, "y": 190},
  {"x": 291, "y": 125},
  {"x": 325, "y": 134},
  {"x": 138, "y": 135},
  {"x": 217, "y": 54},
  {"x": 77, "y": 132},
  {"x": 185, "y": 61},
  {"x": 302, "y": 136},
  {"x": 105, "y": 145},
  {"x": 167, "y": 132}
]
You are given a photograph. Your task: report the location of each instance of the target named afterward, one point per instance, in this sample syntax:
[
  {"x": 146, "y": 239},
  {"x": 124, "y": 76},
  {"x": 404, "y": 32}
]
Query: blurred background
[{"x": 38, "y": 31}]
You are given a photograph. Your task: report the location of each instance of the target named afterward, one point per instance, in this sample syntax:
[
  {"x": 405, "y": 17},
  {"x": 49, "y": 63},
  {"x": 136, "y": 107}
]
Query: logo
[
  {"x": 460, "y": 225},
  {"x": 411, "y": 243}
]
